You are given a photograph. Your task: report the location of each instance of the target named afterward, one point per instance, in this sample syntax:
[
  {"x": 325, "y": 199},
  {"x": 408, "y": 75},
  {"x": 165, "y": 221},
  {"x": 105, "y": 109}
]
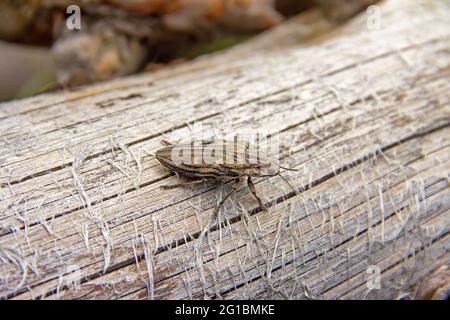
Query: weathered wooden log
[{"x": 363, "y": 113}]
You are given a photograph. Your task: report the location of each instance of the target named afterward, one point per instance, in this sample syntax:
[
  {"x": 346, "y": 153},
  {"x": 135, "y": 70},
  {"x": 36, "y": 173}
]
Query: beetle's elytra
[{"x": 218, "y": 159}]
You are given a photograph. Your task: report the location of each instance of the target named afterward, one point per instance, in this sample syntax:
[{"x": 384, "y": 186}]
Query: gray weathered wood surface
[{"x": 364, "y": 114}]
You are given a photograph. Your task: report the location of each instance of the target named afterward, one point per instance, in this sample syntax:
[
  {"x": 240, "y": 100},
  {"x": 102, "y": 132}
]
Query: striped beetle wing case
[{"x": 218, "y": 159}]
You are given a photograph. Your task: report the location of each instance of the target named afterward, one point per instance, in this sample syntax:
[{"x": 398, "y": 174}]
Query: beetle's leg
[
  {"x": 182, "y": 184},
  {"x": 217, "y": 209},
  {"x": 222, "y": 202},
  {"x": 252, "y": 188}
]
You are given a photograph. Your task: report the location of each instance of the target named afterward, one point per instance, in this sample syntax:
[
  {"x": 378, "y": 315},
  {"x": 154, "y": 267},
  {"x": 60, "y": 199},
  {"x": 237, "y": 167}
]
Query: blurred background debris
[{"x": 38, "y": 52}]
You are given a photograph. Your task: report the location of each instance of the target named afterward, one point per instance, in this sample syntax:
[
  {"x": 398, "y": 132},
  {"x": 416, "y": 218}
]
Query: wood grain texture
[{"x": 364, "y": 114}]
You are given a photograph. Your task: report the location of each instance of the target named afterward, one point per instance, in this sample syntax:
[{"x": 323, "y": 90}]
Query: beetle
[{"x": 218, "y": 159}]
